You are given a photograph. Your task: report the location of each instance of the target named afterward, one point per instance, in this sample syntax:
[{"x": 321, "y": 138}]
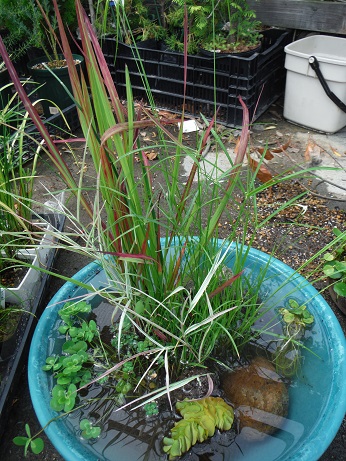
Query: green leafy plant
[
  {"x": 73, "y": 366},
  {"x": 16, "y": 181},
  {"x": 151, "y": 409},
  {"x": 141, "y": 21},
  {"x": 62, "y": 398},
  {"x": 88, "y": 430},
  {"x": 9, "y": 318},
  {"x": 295, "y": 318},
  {"x": 335, "y": 263},
  {"x": 226, "y": 26},
  {"x": 174, "y": 301},
  {"x": 200, "y": 419},
  {"x": 25, "y": 28},
  {"x": 35, "y": 444}
]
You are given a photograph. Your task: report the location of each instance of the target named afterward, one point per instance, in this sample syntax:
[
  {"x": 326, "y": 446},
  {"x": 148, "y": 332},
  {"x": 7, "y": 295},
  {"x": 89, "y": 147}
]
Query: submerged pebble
[{"x": 259, "y": 396}]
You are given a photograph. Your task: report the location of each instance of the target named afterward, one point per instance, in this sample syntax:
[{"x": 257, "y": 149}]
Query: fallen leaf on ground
[
  {"x": 168, "y": 115},
  {"x": 312, "y": 152},
  {"x": 265, "y": 152},
  {"x": 263, "y": 174},
  {"x": 268, "y": 153},
  {"x": 151, "y": 155},
  {"x": 335, "y": 152}
]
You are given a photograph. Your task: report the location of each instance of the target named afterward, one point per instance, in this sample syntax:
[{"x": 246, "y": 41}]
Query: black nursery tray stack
[{"x": 211, "y": 83}]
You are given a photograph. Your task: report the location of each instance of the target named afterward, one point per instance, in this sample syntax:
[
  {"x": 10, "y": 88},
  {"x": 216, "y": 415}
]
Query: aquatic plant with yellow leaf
[{"x": 200, "y": 419}]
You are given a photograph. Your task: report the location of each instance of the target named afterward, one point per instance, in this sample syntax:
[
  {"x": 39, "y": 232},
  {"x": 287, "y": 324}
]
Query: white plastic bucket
[{"x": 306, "y": 102}]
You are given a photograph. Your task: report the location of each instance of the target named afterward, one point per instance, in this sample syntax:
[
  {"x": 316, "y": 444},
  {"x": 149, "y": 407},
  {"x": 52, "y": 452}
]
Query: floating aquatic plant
[
  {"x": 200, "y": 419},
  {"x": 296, "y": 319}
]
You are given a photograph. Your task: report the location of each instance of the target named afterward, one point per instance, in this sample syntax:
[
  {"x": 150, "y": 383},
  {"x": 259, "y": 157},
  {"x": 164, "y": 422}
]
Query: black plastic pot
[
  {"x": 51, "y": 85},
  {"x": 210, "y": 83},
  {"x": 5, "y": 93},
  {"x": 239, "y": 54},
  {"x": 8, "y": 341}
]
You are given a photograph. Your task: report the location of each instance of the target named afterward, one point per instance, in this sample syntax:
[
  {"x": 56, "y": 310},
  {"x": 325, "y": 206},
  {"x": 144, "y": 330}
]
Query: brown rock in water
[{"x": 259, "y": 397}]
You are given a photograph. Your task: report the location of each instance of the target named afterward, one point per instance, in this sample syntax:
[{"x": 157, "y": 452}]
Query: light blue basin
[{"x": 317, "y": 403}]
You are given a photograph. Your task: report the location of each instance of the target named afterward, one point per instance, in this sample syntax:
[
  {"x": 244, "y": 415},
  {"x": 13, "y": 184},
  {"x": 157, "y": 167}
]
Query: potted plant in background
[
  {"x": 16, "y": 187},
  {"x": 50, "y": 71},
  {"x": 335, "y": 269},
  {"x": 225, "y": 27},
  {"x": 174, "y": 294},
  {"x": 24, "y": 236},
  {"x": 27, "y": 32},
  {"x": 258, "y": 78},
  {"x": 25, "y": 245},
  {"x": 20, "y": 29},
  {"x": 220, "y": 27}
]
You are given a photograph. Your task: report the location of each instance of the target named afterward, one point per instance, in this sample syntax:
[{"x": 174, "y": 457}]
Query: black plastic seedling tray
[{"x": 213, "y": 83}]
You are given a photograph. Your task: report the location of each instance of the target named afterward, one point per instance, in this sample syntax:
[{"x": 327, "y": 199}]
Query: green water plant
[
  {"x": 200, "y": 419},
  {"x": 295, "y": 319},
  {"x": 89, "y": 431},
  {"x": 72, "y": 367}
]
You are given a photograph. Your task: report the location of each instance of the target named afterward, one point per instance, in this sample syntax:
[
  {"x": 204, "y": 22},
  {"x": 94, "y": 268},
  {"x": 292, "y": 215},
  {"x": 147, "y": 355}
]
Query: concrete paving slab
[{"x": 304, "y": 148}]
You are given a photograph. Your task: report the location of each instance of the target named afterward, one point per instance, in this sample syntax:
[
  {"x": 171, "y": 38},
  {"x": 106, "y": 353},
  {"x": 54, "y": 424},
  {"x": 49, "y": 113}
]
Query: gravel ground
[{"x": 297, "y": 235}]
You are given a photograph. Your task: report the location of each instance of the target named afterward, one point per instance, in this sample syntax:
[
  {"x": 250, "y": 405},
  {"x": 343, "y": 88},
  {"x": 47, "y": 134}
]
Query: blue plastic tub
[{"x": 317, "y": 401}]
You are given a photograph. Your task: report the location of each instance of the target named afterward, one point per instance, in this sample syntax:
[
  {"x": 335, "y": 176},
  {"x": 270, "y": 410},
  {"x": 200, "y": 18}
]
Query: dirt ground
[{"x": 323, "y": 208}]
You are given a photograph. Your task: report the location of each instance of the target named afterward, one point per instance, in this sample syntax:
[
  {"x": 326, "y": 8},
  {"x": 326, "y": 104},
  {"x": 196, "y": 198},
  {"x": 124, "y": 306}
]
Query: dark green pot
[
  {"x": 50, "y": 90},
  {"x": 5, "y": 96},
  {"x": 5, "y": 93}
]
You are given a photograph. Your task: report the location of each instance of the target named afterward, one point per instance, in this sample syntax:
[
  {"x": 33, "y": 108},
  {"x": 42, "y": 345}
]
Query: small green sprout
[
  {"x": 53, "y": 363},
  {"x": 35, "y": 444},
  {"x": 151, "y": 409}
]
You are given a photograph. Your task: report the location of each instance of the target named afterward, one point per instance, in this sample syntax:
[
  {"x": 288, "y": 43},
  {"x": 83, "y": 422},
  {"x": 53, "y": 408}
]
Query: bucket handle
[{"x": 316, "y": 67}]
